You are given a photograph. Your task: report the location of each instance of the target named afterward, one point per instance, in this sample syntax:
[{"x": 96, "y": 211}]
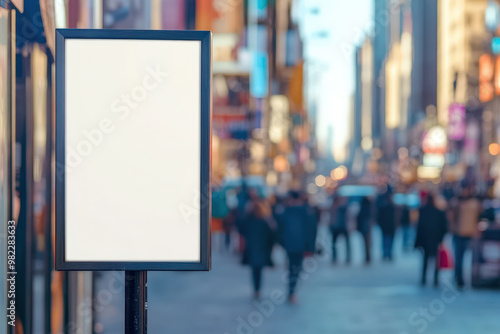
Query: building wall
[
  {"x": 461, "y": 25},
  {"x": 425, "y": 53},
  {"x": 382, "y": 21}
]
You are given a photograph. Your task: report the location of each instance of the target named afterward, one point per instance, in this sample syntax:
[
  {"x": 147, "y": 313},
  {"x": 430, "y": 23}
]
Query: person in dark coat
[
  {"x": 386, "y": 219},
  {"x": 338, "y": 227},
  {"x": 293, "y": 236},
  {"x": 258, "y": 230},
  {"x": 431, "y": 229},
  {"x": 364, "y": 227},
  {"x": 227, "y": 225},
  {"x": 314, "y": 214},
  {"x": 405, "y": 223}
]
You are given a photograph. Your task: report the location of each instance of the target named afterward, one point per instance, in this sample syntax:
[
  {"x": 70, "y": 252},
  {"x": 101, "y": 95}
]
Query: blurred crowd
[{"x": 291, "y": 221}]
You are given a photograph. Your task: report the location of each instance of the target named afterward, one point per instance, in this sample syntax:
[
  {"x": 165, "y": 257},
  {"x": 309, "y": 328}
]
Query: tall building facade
[
  {"x": 425, "y": 52},
  {"x": 382, "y": 17},
  {"x": 460, "y": 35}
]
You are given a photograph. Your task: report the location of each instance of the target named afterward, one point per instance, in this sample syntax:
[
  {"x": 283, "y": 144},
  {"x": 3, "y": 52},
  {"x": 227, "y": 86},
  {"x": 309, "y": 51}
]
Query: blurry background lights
[
  {"x": 320, "y": 180},
  {"x": 492, "y": 15},
  {"x": 312, "y": 188},
  {"x": 309, "y": 166},
  {"x": 495, "y": 45},
  {"x": 366, "y": 144},
  {"x": 494, "y": 149},
  {"x": 331, "y": 183},
  {"x": 272, "y": 178},
  {"x": 258, "y": 151},
  {"x": 377, "y": 153},
  {"x": 279, "y": 118},
  {"x": 281, "y": 164},
  {"x": 403, "y": 153},
  {"x": 339, "y": 173}
]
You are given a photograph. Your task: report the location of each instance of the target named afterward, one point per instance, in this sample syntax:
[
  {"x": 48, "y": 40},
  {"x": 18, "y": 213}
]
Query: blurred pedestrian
[
  {"x": 364, "y": 225},
  {"x": 258, "y": 230},
  {"x": 387, "y": 222},
  {"x": 220, "y": 210},
  {"x": 293, "y": 227},
  {"x": 314, "y": 214},
  {"x": 228, "y": 224},
  {"x": 338, "y": 226},
  {"x": 464, "y": 227},
  {"x": 243, "y": 197},
  {"x": 431, "y": 229},
  {"x": 278, "y": 207},
  {"x": 405, "y": 223}
]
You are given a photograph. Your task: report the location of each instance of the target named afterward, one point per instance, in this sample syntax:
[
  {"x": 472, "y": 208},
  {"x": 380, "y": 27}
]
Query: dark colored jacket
[
  {"x": 293, "y": 229},
  {"x": 338, "y": 218},
  {"x": 259, "y": 240},
  {"x": 431, "y": 229},
  {"x": 405, "y": 216},
  {"x": 312, "y": 227},
  {"x": 364, "y": 216},
  {"x": 386, "y": 218}
]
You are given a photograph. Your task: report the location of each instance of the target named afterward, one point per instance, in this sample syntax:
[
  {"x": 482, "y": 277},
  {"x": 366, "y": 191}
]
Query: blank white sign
[{"x": 132, "y": 127}]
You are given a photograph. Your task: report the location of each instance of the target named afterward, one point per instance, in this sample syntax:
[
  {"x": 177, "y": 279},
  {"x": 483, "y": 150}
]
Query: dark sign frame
[{"x": 60, "y": 149}]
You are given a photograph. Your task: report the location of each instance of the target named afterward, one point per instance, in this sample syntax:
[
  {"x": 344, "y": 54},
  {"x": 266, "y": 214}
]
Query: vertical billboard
[{"x": 133, "y": 113}]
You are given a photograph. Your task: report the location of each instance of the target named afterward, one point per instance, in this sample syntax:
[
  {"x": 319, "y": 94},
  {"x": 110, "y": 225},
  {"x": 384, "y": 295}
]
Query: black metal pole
[{"x": 136, "y": 304}]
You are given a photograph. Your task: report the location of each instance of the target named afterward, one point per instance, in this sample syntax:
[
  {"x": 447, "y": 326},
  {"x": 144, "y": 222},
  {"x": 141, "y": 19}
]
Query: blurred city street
[{"x": 380, "y": 298}]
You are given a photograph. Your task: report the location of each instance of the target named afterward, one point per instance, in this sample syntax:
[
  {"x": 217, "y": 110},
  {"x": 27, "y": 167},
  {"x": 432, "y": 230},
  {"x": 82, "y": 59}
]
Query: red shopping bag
[{"x": 445, "y": 259}]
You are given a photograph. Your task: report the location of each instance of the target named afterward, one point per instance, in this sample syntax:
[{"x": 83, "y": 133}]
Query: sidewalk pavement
[{"x": 382, "y": 298}]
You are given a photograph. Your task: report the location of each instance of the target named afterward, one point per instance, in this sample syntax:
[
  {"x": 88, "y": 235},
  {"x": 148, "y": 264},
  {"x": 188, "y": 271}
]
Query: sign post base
[{"x": 136, "y": 304}]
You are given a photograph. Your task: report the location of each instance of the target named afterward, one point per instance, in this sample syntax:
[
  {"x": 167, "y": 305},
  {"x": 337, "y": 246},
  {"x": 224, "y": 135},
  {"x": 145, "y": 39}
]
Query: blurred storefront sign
[
  {"x": 279, "y": 118},
  {"x": 295, "y": 88},
  {"x": 492, "y": 15},
  {"x": 435, "y": 140},
  {"x": 257, "y": 9},
  {"x": 486, "y": 74},
  {"x": 434, "y": 160},
  {"x": 471, "y": 145},
  {"x": 495, "y": 45},
  {"x": 434, "y": 145},
  {"x": 259, "y": 76},
  {"x": 456, "y": 121},
  {"x": 230, "y": 107},
  {"x": 230, "y": 123},
  {"x": 219, "y": 16},
  {"x": 173, "y": 14},
  {"x": 497, "y": 74},
  {"x": 429, "y": 173}
]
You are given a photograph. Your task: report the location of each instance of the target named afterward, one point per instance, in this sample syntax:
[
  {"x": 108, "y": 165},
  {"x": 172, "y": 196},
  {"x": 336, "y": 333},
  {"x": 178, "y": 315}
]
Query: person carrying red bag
[{"x": 431, "y": 229}]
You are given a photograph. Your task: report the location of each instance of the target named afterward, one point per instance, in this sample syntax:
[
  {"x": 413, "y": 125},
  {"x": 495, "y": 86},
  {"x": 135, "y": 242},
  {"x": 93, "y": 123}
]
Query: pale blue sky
[{"x": 347, "y": 22}]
